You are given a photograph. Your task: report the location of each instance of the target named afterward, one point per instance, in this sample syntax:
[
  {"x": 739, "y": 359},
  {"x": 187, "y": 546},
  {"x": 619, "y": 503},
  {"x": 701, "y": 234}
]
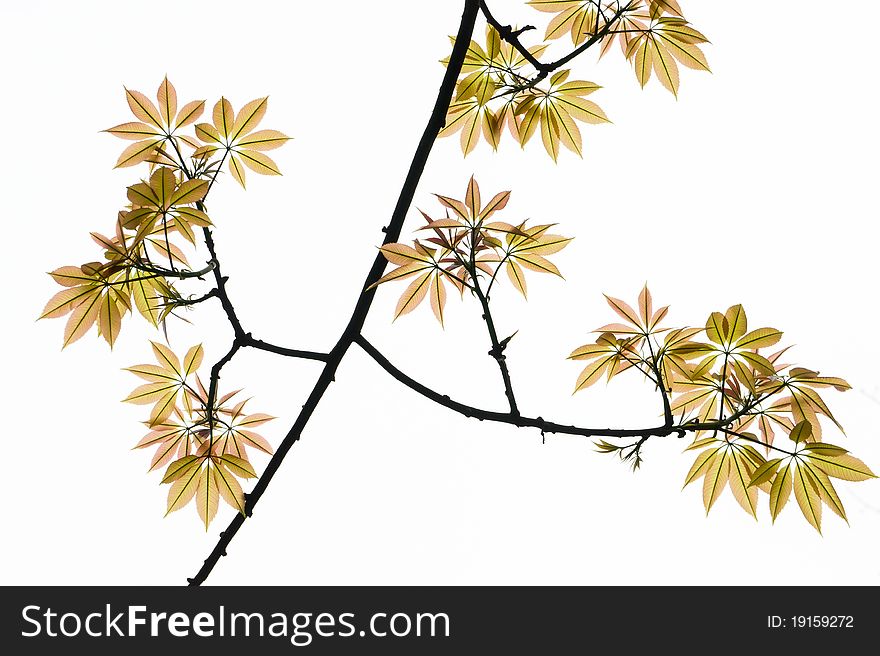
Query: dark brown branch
[
  {"x": 281, "y": 350},
  {"x": 512, "y": 37},
  {"x": 506, "y": 417},
  {"x": 220, "y": 280},
  {"x": 195, "y": 301},
  {"x": 365, "y": 298},
  {"x": 497, "y": 351},
  {"x": 661, "y": 385},
  {"x": 176, "y": 273}
]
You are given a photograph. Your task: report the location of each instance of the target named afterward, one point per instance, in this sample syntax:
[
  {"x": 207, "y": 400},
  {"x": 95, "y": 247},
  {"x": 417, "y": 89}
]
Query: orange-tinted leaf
[{"x": 143, "y": 108}]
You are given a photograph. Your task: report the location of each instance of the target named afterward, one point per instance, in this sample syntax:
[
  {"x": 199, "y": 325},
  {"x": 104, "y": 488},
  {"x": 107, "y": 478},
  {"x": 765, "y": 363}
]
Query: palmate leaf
[
  {"x": 660, "y": 47},
  {"x": 576, "y": 19},
  {"x": 156, "y": 123},
  {"x": 554, "y": 113},
  {"x": 465, "y": 244},
  {"x": 198, "y": 467},
  {"x": 164, "y": 202},
  {"x": 165, "y": 381},
  {"x": 235, "y": 135},
  {"x": 92, "y": 299}
]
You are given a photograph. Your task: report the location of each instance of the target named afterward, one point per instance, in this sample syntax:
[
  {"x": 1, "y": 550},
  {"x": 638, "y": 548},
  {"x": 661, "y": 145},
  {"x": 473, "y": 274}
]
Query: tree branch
[
  {"x": 365, "y": 299},
  {"x": 220, "y": 280},
  {"x": 259, "y": 344},
  {"x": 175, "y": 273},
  {"x": 505, "y": 417},
  {"x": 512, "y": 37},
  {"x": 497, "y": 351}
]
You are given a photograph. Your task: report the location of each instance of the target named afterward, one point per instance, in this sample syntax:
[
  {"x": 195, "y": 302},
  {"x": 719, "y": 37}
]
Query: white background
[{"x": 756, "y": 186}]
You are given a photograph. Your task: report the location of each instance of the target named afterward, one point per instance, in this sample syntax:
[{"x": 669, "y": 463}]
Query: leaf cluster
[
  {"x": 501, "y": 88},
  {"x": 732, "y": 390},
  {"x": 467, "y": 250},
  {"x": 142, "y": 261},
  {"x": 202, "y": 443}
]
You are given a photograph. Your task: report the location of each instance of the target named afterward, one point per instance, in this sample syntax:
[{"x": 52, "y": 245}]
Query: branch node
[{"x": 519, "y": 31}]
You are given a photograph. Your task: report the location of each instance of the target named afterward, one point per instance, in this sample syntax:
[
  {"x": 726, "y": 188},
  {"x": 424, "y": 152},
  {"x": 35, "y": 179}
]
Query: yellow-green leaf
[
  {"x": 807, "y": 498},
  {"x": 780, "y": 491},
  {"x": 143, "y": 108},
  {"x": 207, "y": 496},
  {"x": 413, "y": 295},
  {"x": 248, "y": 117},
  {"x": 183, "y": 490},
  {"x": 846, "y": 467},
  {"x": 716, "y": 478}
]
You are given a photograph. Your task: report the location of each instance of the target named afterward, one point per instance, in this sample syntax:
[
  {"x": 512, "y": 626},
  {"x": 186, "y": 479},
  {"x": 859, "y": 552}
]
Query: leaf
[
  {"x": 189, "y": 113},
  {"x": 438, "y": 296},
  {"x": 258, "y": 162},
  {"x": 180, "y": 467},
  {"x": 109, "y": 319},
  {"x": 192, "y": 361},
  {"x": 229, "y": 488},
  {"x": 413, "y": 295},
  {"x": 646, "y": 305},
  {"x": 823, "y": 486},
  {"x": 807, "y": 498},
  {"x": 208, "y": 133},
  {"x": 845, "y": 467},
  {"x": 716, "y": 478},
  {"x": 165, "y": 356},
  {"x": 623, "y": 309},
  {"x": 135, "y": 131},
  {"x": 592, "y": 373},
  {"x": 760, "y": 338},
  {"x": 183, "y": 490},
  {"x": 665, "y": 67},
  {"x": 644, "y": 58},
  {"x": 207, "y": 496},
  {"x": 163, "y": 408},
  {"x": 780, "y": 491},
  {"x": 189, "y": 191},
  {"x": 167, "y": 97},
  {"x": 223, "y": 117},
  {"x": 238, "y": 466},
  {"x": 549, "y": 132},
  {"x": 236, "y": 170},
  {"x": 83, "y": 317},
  {"x": 535, "y": 262},
  {"x": 472, "y": 198},
  {"x": 248, "y": 117},
  {"x": 263, "y": 140},
  {"x": 470, "y": 131},
  {"x": 740, "y": 483},
  {"x": 765, "y": 472},
  {"x": 821, "y": 448},
  {"x": 517, "y": 277},
  {"x": 256, "y": 419},
  {"x": 701, "y": 465},
  {"x": 65, "y": 301},
  {"x": 802, "y": 432},
  {"x": 143, "y": 108},
  {"x": 137, "y": 153},
  {"x": 737, "y": 322}
]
